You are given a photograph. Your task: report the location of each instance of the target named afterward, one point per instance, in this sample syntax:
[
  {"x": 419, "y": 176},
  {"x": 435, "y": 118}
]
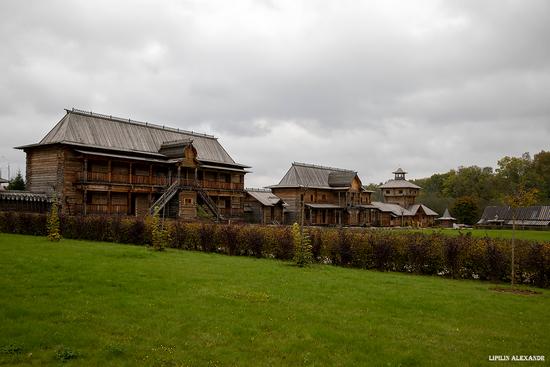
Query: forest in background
[{"x": 466, "y": 191}]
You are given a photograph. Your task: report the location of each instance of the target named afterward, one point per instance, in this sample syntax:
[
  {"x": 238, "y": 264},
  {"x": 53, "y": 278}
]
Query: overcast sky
[{"x": 365, "y": 85}]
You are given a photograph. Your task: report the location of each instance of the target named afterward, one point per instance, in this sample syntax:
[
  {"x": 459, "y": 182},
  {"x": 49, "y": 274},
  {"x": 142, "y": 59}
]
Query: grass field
[
  {"x": 543, "y": 236},
  {"x": 99, "y": 304}
]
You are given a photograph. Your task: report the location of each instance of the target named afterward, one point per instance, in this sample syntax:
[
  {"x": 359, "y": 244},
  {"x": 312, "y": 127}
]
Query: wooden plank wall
[{"x": 44, "y": 171}]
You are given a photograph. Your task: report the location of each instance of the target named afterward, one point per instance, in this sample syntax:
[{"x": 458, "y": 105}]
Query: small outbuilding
[
  {"x": 264, "y": 207},
  {"x": 525, "y": 217},
  {"x": 446, "y": 221}
]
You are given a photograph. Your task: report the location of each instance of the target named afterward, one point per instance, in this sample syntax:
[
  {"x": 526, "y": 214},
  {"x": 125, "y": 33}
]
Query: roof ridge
[
  {"x": 139, "y": 123},
  {"x": 254, "y": 189},
  {"x": 322, "y": 167}
]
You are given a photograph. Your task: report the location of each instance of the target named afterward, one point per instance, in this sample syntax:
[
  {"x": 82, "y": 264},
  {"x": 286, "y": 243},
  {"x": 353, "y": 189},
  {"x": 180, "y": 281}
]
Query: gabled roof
[
  {"x": 107, "y": 132},
  {"x": 314, "y": 176},
  {"x": 394, "y": 209},
  {"x": 399, "y": 184},
  {"x": 446, "y": 216},
  {"x": 531, "y": 215},
  {"x": 429, "y": 212},
  {"x": 265, "y": 197}
]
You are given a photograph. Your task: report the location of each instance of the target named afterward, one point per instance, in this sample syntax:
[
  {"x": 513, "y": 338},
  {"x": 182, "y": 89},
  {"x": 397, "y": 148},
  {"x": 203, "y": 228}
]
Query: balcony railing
[
  {"x": 103, "y": 177},
  {"x": 228, "y": 212}
]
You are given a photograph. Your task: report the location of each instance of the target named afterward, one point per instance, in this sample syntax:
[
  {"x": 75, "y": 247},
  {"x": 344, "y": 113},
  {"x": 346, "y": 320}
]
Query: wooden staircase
[
  {"x": 165, "y": 198},
  {"x": 210, "y": 204},
  {"x": 173, "y": 190}
]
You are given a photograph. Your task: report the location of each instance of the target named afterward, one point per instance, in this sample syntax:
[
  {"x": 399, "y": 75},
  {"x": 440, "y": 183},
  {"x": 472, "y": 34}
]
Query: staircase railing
[
  {"x": 209, "y": 203},
  {"x": 165, "y": 198}
]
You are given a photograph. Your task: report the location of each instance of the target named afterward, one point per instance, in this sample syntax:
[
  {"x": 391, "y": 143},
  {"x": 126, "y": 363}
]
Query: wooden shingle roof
[
  {"x": 265, "y": 197},
  {"x": 531, "y": 215},
  {"x": 107, "y": 132},
  {"x": 314, "y": 176},
  {"x": 399, "y": 184}
]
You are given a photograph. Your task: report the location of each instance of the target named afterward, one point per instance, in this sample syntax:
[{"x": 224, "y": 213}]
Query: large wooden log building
[
  {"x": 325, "y": 196},
  {"x": 99, "y": 164}
]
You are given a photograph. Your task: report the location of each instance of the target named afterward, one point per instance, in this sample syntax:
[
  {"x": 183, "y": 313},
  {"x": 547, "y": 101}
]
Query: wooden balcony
[
  {"x": 162, "y": 181},
  {"x": 229, "y": 213}
]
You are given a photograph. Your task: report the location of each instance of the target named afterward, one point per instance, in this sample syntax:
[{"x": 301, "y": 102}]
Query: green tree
[
  {"x": 541, "y": 165},
  {"x": 466, "y": 210},
  {"x": 17, "y": 183},
  {"x": 516, "y": 172},
  {"x": 471, "y": 181}
]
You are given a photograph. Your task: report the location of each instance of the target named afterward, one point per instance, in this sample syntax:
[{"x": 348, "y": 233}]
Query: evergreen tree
[
  {"x": 17, "y": 183},
  {"x": 54, "y": 233},
  {"x": 302, "y": 246}
]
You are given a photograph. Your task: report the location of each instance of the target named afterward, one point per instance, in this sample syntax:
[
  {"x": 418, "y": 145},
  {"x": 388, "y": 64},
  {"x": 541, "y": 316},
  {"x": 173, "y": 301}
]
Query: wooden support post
[
  {"x": 109, "y": 201},
  {"x": 150, "y": 174},
  {"x": 179, "y": 173},
  {"x": 129, "y": 203},
  {"x": 85, "y": 173},
  {"x": 109, "y": 168},
  {"x": 130, "y": 174},
  {"x": 85, "y": 201}
]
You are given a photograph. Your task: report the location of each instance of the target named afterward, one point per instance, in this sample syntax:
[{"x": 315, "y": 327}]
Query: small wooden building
[
  {"x": 399, "y": 207},
  {"x": 325, "y": 196},
  {"x": 264, "y": 207},
  {"x": 99, "y": 164},
  {"x": 446, "y": 221},
  {"x": 400, "y": 191},
  {"x": 422, "y": 216},
  {"x": 526, "y": 217}
]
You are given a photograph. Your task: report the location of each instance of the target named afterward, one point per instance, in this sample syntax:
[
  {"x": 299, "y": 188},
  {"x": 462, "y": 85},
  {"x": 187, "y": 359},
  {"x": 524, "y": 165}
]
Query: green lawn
[
  {"x": 543, "y": 236},
  {"x": 118, "y": 305}
]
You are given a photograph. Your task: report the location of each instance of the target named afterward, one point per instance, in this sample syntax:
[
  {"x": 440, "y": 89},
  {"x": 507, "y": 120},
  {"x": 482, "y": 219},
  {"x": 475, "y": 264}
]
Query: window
[
  {"x": 400, "y": 191},
  {"x": 387, "y": 192},
  {"x": 311, "y": 198},
  {"x": 188, "y": 201}
]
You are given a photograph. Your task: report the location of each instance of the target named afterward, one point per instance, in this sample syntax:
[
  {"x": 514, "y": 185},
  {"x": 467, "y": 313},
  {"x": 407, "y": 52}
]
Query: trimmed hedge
[{"x": 463, "y": 257}]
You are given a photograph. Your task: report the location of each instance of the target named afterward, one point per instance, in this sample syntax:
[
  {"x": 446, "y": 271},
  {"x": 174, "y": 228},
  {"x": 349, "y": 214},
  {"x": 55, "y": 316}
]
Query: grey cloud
[{"x": 412, "y": 80}]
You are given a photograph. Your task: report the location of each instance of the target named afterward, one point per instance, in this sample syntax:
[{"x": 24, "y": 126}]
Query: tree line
[{"x": 466, "y": 191}]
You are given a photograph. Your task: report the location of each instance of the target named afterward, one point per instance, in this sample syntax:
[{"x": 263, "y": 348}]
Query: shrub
[
  {"x": 159, "y": 234},
  {"x": 302, "y": 247},
  {"x": 207, "y": 234},
  {"x": 458, "y": 257},
  {"x": 54, "y": 234},
  {"x": 228, "y": 236}
]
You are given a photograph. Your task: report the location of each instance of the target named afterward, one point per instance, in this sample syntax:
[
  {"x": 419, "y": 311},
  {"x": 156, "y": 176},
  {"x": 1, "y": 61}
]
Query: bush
[
  {"x": 53, "y": 224},
  {"x": 302, "y": 247},
  {"x": 457, "y": 257}
]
